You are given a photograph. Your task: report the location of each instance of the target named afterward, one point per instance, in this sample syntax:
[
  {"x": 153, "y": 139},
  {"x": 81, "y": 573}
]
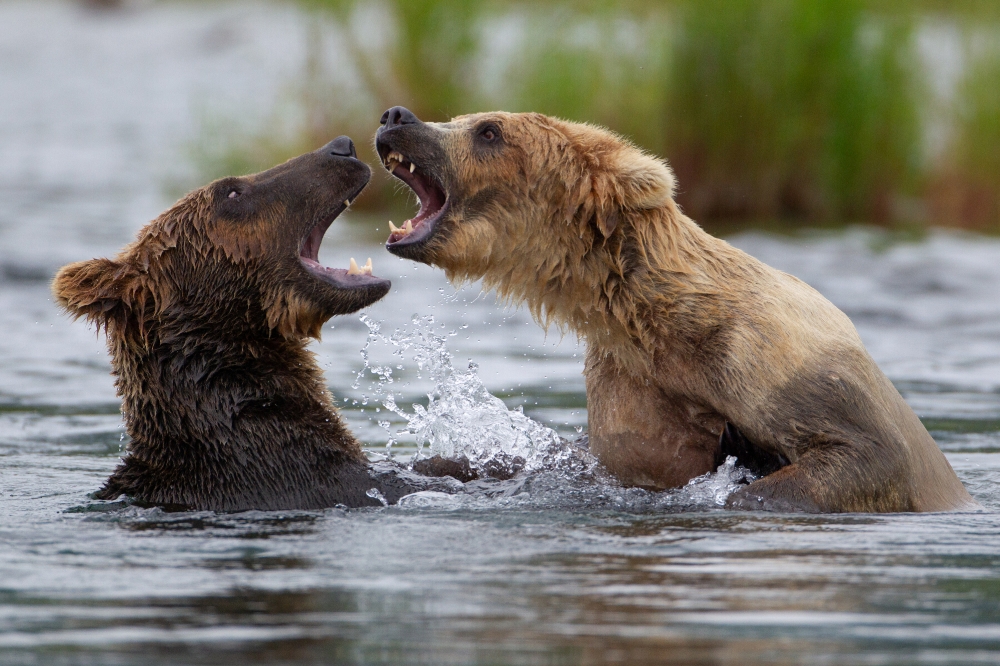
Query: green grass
[
  {"x": 791, "y": 109},
  {"x": 966, "y": 190},
  {"x": 808, "y": 112}
]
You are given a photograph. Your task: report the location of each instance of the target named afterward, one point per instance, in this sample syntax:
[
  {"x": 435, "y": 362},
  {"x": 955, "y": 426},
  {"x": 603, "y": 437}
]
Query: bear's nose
[
  {"x": 342, "y": 146},
  {"x": 398, "y": 115}
]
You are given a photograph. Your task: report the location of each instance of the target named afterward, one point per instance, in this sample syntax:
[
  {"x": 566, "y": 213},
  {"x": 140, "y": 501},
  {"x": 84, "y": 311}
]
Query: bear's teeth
[
  {"x": 392, "y": 227},
  {"x": 367, "y": 268},
  {"x": 408, "y": 227},
  {"x": 353, "y": 270},
  {"x": 347, "y": 202},
  {"x": 412, "y": 167}
]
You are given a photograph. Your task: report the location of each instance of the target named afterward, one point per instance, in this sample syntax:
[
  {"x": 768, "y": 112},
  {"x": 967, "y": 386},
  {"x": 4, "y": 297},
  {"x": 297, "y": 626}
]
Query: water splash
[
  {"x": 588, "y": 489},
  {"x": 374, "y": 493},
  {"x": 717, "y": 486},
  {"x": 462, "y": 419}
]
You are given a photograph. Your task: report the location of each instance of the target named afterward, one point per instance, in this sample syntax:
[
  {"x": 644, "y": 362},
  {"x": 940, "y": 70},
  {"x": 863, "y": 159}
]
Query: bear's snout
[
  {"x": 342, "y": 146},
  {"x": 398, "y": 115}
]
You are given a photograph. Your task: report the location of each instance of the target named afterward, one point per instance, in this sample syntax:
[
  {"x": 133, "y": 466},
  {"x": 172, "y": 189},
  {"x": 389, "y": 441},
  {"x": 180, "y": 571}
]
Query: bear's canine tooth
[
  {"x": 353, "y": 270},
  {"x": 367, "y": 268},
  {"x": 347, "y": 202},
  {"x": 408, "y": 227},
  {"x": 392, "y": 227},
  {"x": 412, "y": 167}
]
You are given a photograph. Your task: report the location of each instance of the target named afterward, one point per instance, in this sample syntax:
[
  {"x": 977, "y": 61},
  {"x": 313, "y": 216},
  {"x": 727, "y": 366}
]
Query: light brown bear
[
  {"x": 207, "y": 316},
  {"x": 694, "y": 348}
]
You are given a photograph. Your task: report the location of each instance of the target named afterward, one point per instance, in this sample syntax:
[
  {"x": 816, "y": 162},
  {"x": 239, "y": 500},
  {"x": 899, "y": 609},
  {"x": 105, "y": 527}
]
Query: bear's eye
[
  {"x": 489, "y": 133},
  {"x": 232, "y": 189},
  {"x": 234, "y": 199}
]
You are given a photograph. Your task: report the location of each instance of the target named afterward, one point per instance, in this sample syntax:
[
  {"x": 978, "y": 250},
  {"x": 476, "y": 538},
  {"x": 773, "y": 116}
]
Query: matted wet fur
[
  {"x": 207, "y": 316},
  {"x": 688, "y": 338}
]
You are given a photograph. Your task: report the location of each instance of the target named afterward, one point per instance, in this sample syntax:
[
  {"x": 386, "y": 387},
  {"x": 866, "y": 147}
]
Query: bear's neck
[
  {"x": 629, "y": 295},
  {"x": 216, "y": 417}
]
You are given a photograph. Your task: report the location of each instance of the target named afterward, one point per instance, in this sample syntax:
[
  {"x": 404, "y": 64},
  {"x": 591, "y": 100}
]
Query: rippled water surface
[{"x": 546, "y": 569}]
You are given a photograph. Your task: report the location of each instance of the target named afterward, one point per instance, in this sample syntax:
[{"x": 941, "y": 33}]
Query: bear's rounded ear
[
  {"x": 101, "y": 290},
  {"x": 630, "y": 181}
]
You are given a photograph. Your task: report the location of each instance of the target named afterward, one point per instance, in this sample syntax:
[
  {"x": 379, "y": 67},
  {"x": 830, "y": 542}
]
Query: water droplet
[{"x": 375, "y": 494}]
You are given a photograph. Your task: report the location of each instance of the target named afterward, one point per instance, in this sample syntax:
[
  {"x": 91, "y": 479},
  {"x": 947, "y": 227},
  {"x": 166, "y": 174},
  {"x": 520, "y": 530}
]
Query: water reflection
[{"x": 599, "y": 609}]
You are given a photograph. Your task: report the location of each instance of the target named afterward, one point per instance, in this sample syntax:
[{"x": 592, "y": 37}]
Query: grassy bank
[{"x": 805, "y": 112}]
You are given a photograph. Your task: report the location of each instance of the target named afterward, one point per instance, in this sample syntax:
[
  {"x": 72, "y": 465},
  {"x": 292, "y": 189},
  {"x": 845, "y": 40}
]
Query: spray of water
[{"x": 463, "y": 419}]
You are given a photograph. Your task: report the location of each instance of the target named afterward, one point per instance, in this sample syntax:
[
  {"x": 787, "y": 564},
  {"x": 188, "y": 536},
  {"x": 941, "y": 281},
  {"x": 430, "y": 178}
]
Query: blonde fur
[{"x": 685, "y": 333}]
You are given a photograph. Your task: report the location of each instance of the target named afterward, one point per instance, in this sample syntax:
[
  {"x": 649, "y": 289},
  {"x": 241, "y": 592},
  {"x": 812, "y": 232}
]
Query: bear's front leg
[
  {"x": 644, "y": 437},
  {"x": 788, "y": 490},
  {"x": 832, "y": 477}
]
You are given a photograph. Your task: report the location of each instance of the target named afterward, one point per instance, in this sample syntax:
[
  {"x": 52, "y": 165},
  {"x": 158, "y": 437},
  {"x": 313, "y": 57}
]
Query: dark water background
[{"x": 94, "y": 115}]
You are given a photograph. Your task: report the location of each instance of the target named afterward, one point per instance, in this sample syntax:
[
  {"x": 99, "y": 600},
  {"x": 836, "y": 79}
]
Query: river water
[{"x": 551, "y": 568}]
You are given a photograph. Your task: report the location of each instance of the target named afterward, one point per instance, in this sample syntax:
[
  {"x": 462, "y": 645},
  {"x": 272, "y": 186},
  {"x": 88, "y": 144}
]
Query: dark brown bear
[{"x": 207, "y": 316}]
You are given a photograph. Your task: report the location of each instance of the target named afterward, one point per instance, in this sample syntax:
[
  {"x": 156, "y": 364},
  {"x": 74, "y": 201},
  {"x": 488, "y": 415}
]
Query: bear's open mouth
[
  {"x": 344, "y": 278},
  {"x": 433, "y": 202}
]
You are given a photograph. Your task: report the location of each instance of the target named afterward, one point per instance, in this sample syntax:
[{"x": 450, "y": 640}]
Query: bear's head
[
  {"x": 238, "y": 258},
  {"x": 521, "y": 200}
]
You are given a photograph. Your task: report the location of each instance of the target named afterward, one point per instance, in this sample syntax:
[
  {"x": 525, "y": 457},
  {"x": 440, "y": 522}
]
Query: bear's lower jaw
[
  {"x": 344, "y": 278},
  {"x": 413, "y": 245},
  {"x": 433, "y": 204},
  {"x": 336, "y": 291}
]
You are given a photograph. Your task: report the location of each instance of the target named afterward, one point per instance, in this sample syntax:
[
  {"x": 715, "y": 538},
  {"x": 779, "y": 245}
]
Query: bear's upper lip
[
  {"x": 343, "y": 278},
  {"x": 433, "y": 201}
]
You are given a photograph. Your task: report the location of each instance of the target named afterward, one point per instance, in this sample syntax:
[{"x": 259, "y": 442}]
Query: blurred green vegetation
[
  {"x": 802, "y": 112},
  {"x": 966, "y": 191}
]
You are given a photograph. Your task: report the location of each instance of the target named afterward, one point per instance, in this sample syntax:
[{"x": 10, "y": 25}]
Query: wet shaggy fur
[
  {"x": 688, "y": 338},
  {"x": 207, "y": 316}
]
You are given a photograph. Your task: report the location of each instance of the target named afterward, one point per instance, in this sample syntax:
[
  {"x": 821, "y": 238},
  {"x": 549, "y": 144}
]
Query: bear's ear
[
  {"x": 101, "y": 290},
  {"x": 625, "y": 181}
]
